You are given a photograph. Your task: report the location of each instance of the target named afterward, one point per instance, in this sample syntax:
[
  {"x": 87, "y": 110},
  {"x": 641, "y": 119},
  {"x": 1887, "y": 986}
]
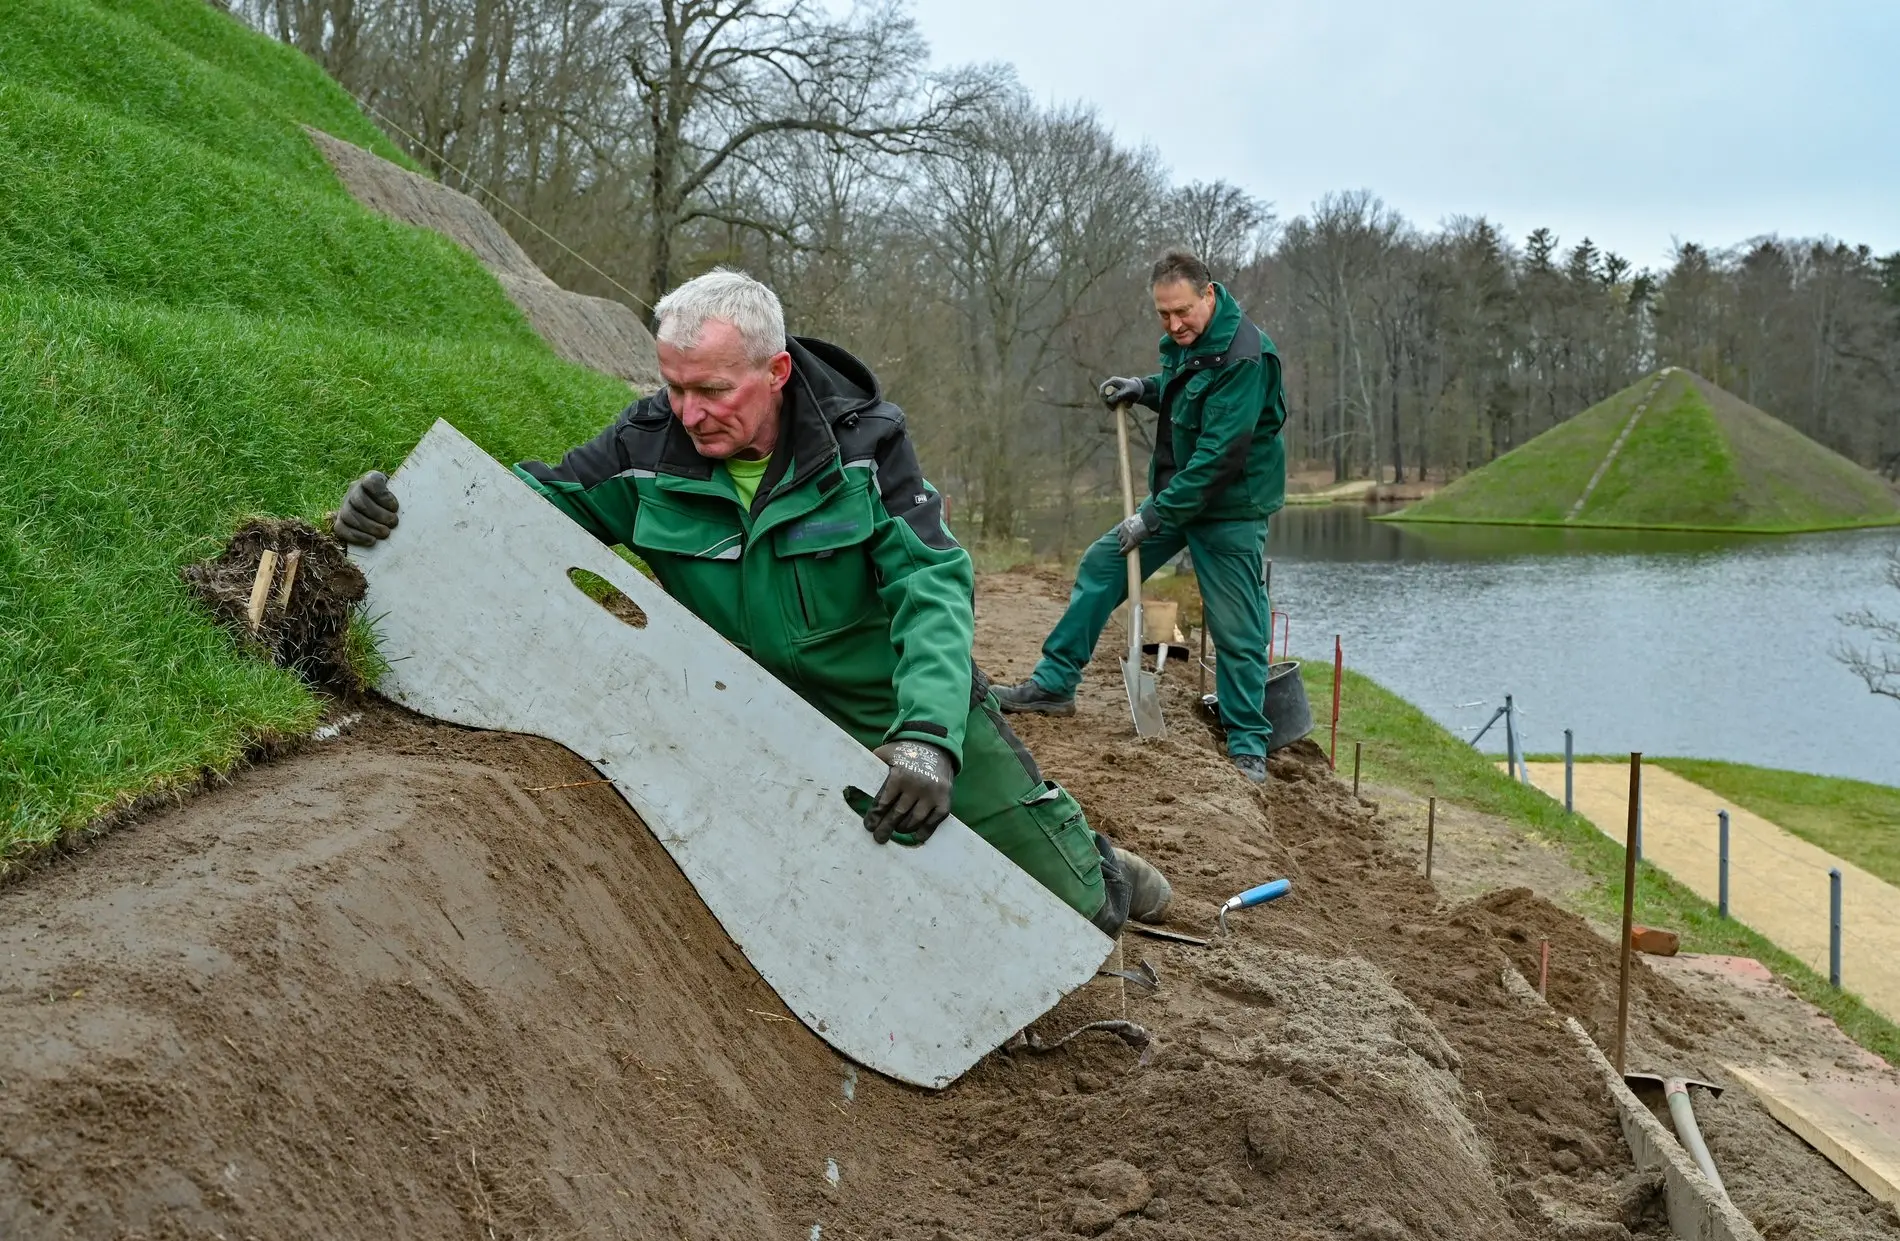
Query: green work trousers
[
  {"x": 1229, "y": 557},
  {"x": 1000, "y": 795}
]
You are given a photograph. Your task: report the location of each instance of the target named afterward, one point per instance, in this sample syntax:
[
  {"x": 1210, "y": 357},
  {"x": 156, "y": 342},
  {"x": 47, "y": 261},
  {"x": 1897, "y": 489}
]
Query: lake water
[{"x": 1708, "y": 646}]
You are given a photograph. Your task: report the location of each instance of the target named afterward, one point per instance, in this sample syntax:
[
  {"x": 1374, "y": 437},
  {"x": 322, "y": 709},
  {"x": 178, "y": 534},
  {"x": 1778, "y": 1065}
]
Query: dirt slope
[
  {"x": 379, "y": 990},
  {"x": 382, "y": 988}
]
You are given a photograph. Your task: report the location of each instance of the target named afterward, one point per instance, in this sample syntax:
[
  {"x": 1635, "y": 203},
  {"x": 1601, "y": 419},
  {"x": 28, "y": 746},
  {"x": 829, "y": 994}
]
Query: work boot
[
  {"x": 1252, "y": 766},
  {"x": 1032, "y": 698},
  {"x": 1150, "y": 892}
]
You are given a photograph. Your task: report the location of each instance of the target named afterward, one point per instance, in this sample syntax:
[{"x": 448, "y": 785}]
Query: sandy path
[{"x": 1778, "y": 883}]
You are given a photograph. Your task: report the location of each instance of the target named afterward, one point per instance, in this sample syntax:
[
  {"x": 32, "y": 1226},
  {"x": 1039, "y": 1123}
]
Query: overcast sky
[{"x": 1632, "y": 123}]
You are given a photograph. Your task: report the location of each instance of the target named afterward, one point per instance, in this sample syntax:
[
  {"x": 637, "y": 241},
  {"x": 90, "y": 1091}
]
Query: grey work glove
[
  {"x": 916, "y": 793},
  {"x": 368, "y": 512},
  {"x": 1132, "y": 530},
  {"x": 1121, "y": 390}
]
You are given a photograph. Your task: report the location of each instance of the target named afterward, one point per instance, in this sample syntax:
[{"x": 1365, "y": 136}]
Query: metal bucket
[{"x": 1287, "y": 708}]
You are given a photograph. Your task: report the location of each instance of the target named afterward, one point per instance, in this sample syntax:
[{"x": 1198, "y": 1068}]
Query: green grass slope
[
  {"x": 1698, "y": 458},
  {"x": 197, "y": 324}
]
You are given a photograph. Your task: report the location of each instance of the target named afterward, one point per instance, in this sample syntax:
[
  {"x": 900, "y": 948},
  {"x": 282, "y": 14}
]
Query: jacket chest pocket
[
  {"x": 832, "y": 575},
  {"x": 1186, "y": 410},
  {"x": 695, "y": 552}
]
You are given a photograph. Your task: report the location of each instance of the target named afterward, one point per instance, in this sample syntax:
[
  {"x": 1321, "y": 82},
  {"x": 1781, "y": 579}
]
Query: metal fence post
[
  {"x": 1570, "y": 787},
  {"x": 1510, "y": 738},
  {"x": 1721, "y": 879},
  {"x": 1834, "y": 927}
]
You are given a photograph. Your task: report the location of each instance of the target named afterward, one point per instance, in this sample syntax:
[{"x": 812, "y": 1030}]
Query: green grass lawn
[
  {"x": 1405, "y": 747},
  {"x": 1698, "y": 458},
  {"x": 197, "y": 324}
]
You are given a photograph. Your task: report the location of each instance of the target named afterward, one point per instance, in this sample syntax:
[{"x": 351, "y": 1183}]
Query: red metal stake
[{"x": 1339, "y": 667}]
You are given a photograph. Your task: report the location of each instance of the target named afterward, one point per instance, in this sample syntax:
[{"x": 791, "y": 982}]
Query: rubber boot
[
  {"x": 1116, "y": 889},
  {"x": 1150, "y": 893}
]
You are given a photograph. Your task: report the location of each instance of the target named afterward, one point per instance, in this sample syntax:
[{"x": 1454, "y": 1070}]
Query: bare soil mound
[
  {"x": 380, "y": 989},
  {"x": 422, "y": 981}
]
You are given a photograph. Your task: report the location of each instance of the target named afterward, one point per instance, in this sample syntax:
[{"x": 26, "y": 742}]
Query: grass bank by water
[{"x": 1405, "y": 747}]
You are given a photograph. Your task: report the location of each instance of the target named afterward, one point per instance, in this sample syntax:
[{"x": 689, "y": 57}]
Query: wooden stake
[
  {"x": 1339, "y": 665},
  {"x": 1629, "y": 912},
  {"x": 1543, "y": 968},
  {"x": 1431, "y": 832},
  {"x": 290, "y": 579},
  {"x": 260, "y": 587}
]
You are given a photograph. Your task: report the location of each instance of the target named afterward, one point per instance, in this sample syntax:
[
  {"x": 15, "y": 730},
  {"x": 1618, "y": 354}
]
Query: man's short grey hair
[{"x": 732, "y": 297}]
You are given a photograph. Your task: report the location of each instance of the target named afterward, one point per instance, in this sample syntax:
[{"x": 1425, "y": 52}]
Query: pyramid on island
[{"x": 1671, "y": 450}]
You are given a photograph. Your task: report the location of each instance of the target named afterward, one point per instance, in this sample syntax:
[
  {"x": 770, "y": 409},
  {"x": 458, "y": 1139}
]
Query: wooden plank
[
  {"x": 912, "y": 961},
  {"x": 1855, "y": 1145}
]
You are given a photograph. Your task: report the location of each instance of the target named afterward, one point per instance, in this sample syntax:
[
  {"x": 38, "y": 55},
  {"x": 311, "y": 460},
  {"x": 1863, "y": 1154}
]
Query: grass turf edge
[{"x": 1405, "y": 747}]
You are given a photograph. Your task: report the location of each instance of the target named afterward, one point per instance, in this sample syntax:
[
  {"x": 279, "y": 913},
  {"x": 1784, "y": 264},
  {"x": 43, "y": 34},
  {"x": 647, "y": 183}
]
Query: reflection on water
[{"x": 1714, "y": 646}]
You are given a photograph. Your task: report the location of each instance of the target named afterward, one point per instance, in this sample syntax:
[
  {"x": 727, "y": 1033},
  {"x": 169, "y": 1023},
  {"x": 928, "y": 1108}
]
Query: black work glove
[
  {"x": 368, "y": 512},
  {"x": 1132, "y": 530},
  {"x": 916, "y": 793},
  {"x": 1121, "y": 390}
]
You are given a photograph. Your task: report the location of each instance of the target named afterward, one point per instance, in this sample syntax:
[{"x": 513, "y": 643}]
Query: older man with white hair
[{"x": 775, "y": 493}]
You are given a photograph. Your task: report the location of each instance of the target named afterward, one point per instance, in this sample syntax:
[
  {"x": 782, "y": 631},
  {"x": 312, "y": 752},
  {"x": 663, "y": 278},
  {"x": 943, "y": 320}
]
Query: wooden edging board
[{"x": 1856, "y": 1147}]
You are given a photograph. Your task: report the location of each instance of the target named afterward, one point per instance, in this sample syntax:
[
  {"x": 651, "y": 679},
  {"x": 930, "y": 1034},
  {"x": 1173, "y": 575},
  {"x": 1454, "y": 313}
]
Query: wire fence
[{"x": 1746, "y": 846}]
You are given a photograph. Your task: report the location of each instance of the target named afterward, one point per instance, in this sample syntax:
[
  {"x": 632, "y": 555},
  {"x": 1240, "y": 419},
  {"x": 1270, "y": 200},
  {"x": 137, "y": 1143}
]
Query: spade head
[
  {"x": 1144, "y": 699},
  {"x": 1669, "y": 1085}
]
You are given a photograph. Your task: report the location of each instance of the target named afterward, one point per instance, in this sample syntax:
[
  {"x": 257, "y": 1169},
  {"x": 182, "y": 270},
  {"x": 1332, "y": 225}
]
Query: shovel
[
  {"x": 1144, "y": 700},
  {"x": 1676, "y": 1091}
]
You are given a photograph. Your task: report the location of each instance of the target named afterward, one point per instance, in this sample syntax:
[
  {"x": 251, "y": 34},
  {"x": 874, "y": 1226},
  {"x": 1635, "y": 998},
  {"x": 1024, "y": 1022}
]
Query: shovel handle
[{"x": 1128, "y": 510}]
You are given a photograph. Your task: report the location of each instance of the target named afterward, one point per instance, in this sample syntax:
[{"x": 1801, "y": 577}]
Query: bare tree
[
  {"x": 716, "y": 79},
  {"x": 1878, "y": 663},
  {"x": 1028, "y": 220},
  {"x": 1222, "y": 223}
]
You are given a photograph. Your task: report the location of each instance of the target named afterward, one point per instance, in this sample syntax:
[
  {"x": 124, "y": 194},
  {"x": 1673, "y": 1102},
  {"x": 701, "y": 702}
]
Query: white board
[{"x": 912, "y": 961}]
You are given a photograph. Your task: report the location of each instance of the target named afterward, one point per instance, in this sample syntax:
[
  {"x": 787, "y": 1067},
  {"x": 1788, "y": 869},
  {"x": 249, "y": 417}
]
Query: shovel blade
[{"x": 1144, "y": 699}]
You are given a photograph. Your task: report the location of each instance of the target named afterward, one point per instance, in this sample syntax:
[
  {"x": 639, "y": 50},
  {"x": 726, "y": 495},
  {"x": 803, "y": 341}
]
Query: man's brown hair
[{"x": 1180, "y": 264}]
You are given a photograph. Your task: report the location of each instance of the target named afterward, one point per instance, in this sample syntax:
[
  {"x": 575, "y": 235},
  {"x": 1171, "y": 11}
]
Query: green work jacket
[
  {"x": 1218, "y": 454},
  {"x": 841, "y": 578}
]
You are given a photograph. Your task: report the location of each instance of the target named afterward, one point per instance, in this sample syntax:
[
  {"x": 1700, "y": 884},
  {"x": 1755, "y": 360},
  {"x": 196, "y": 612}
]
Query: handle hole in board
[{"x": 608, "y": 596}]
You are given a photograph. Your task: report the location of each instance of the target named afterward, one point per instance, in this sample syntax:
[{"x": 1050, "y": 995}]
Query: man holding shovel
[{"x": 1218, "y": 474}]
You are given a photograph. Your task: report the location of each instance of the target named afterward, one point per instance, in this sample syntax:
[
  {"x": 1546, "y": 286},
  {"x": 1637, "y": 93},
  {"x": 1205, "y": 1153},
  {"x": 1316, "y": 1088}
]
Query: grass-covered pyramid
[
  {"x": 198, "y": 324},
  {"x": 1670, "y": 451}
]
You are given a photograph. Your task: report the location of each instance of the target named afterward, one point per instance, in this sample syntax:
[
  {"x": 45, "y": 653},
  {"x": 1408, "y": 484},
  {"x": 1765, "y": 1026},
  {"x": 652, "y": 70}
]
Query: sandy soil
[
  {"x": 397, "y": 984},
  {"x": 1691, "y": 1016}
]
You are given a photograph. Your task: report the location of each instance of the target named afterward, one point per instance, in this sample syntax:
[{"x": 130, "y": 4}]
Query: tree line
[{"x": 986, "y": 253}]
